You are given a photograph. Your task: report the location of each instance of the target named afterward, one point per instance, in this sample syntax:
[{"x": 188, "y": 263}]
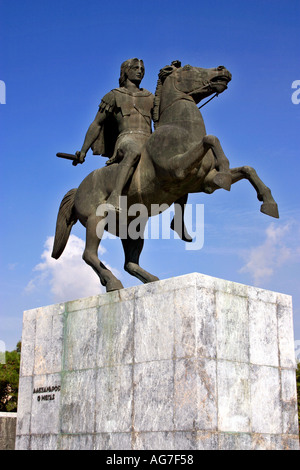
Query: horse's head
[
  {"x": 194, "y": 82},
  {"x": 200, "y": 83}
]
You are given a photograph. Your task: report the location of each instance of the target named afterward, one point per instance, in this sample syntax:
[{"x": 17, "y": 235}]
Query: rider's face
[{"x": 136, "y": 72}]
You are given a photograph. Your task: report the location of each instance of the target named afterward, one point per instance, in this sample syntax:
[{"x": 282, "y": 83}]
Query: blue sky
[{"x": 59, "y": 58}]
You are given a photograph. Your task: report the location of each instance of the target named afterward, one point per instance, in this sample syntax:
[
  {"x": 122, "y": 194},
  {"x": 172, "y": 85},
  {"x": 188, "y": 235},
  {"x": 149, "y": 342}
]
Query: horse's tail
[{"x": 66, "y": 218}]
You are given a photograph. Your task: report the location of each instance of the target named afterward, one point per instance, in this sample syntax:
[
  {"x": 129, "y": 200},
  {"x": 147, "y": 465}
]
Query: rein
[
  {"x": 216, "y": 94},
  {"x": 188, "y": 98}
]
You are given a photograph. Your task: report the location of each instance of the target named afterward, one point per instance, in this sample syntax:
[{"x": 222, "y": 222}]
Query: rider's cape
[{"x": 117, "y": 98}]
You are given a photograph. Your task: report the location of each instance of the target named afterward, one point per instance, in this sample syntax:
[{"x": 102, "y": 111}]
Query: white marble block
[{"x": 187, "y": 363}]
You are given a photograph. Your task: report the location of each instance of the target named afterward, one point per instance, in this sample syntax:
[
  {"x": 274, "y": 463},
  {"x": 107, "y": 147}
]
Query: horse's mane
[{"x": 163, "y": 74}]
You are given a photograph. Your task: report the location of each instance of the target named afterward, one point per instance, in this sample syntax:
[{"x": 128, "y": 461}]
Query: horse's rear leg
[
  {"x": 177, "y": 223},
  {"x": 132, "y": 250},
  {"x": 264, "y": 194},
  {"x": 90, "y": 255}
]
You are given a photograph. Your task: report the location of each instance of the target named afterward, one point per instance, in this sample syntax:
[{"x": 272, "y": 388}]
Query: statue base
[{"x": 186, "y": 363}]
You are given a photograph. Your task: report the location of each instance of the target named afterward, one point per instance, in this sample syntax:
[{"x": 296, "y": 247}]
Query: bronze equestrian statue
[{"x": 176, "y": 159}]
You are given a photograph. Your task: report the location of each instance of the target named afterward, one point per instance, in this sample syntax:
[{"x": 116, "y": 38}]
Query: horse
[{"x": 178, "y": 158}]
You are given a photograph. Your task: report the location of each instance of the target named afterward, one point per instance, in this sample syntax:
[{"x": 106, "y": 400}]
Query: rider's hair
[{"x": 125, "y": 67}]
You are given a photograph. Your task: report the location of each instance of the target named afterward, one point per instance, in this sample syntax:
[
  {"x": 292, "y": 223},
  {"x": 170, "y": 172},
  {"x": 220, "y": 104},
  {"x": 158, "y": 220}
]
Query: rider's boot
[{"x": 114, "y": 201}]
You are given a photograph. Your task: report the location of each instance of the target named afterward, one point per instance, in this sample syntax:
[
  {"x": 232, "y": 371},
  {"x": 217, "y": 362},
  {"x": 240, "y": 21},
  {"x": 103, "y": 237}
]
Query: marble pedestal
[
  {"x": 192, "y": 362},
  {"x": 8, "y": 423}
]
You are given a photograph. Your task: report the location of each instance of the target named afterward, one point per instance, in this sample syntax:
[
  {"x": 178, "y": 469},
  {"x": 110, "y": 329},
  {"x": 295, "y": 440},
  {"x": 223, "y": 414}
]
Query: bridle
[{"x": 188, "y": 98}]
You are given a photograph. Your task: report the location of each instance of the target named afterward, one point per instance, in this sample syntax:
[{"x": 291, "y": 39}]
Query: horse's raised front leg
[
  {"x": 132, "y": 250},
  {"x": 183, "y": 164},
  {"x": 264, "y": 194},
  {"x": 94, "y": 230}
]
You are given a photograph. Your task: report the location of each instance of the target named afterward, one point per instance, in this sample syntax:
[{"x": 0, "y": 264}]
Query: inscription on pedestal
[{"x": 49, "y": 391}]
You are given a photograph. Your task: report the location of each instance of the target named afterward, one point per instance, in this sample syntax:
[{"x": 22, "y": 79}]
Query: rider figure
[{"x": 122, "y": 125}]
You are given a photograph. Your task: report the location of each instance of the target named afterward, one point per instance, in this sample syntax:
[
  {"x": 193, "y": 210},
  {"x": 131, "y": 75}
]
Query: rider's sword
[{"x": 69, "y": 156}]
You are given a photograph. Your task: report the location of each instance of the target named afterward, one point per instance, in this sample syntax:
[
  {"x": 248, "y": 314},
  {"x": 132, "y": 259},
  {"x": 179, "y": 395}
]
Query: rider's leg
[{"x": 131, "y": 155}]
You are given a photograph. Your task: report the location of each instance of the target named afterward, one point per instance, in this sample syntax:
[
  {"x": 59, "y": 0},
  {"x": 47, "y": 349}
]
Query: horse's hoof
[
  {"x": 270, "y": 208},
  {"x": 183, "y": 235},
  {"x": 186, "y": 238},
  {"x": 114, "y": 285},
  {"x": 223, "y": 180}
]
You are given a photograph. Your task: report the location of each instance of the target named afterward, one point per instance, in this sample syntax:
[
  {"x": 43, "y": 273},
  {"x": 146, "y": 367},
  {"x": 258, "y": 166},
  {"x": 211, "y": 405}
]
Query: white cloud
[
  {"x": 281, "y": 245},
  {"x": 69, "y": 277}
]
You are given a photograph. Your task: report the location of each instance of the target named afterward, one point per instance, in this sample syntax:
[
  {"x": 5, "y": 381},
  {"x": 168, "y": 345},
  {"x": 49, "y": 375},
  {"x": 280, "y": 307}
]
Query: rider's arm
[
  {"x": 93, "y": 131},
  {"x": 105, "y": 109}
]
